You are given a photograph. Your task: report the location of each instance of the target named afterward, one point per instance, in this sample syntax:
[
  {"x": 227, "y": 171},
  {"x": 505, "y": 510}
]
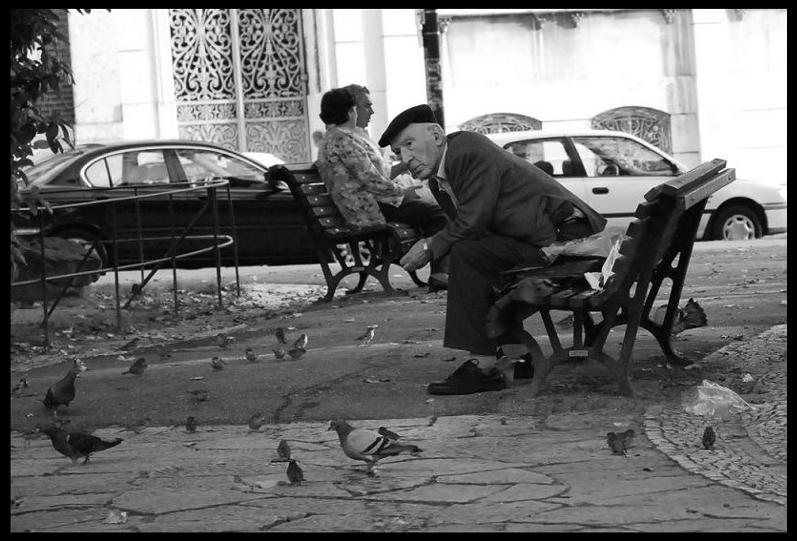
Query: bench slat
[{"x": 678, "y": 185}]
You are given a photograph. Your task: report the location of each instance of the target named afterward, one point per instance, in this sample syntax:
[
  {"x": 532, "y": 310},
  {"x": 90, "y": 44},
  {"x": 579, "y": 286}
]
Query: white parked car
[{"x": 612, "y": 171}]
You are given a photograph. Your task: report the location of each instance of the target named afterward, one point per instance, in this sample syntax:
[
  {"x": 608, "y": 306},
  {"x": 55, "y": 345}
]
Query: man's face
[
  {"x": 420, "y": 148},
  {"x": 364, "y": 109}
]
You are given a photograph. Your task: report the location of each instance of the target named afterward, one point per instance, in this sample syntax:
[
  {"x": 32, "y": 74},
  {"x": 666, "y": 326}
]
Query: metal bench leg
[
  {"x": 360, "y": 284},
  {"x": 416, "y": 279}
]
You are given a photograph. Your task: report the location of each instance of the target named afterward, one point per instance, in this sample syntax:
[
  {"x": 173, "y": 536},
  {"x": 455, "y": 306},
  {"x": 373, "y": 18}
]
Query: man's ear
[{"x": 439, "y": 134}]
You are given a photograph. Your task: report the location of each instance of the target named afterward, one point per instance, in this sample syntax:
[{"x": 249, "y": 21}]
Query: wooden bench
[
  {"x": 658, "y": 246},
  {"x": 367, "y": 251}
]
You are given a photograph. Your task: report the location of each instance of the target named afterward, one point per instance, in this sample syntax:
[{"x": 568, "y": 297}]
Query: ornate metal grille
[
  {"x": 501, "y": 122},
  {"x": 240, "y": 80},
  {"x": 646, "y": 123}
]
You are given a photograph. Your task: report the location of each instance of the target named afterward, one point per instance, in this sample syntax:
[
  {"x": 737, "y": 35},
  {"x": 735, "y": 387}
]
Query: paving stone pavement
[{"x": 476, "y": 473}]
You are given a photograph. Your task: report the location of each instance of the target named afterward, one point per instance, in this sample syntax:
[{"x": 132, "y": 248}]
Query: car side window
[
  {"x": 617, "y": 156},
  {"x": 547, "y": 154},
  {"x": 204, "y": 165},
  {"x": 105, "y": 172},
  {"x": 144, "y": 167}
]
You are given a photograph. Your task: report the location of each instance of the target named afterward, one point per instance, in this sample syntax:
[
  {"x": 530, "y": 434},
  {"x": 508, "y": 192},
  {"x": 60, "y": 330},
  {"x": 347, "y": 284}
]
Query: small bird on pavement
[
  {"x": 388, "y": 433},
  {"x": 296, "y": 353},
  {"x": 283, "y": 451},
  {"x": 256, "y": 421},
  {"x": 295, "y": 473},
  {"x": 138, "y": 367},
  {"x": 626, "y": 437},
  {"x": 366, "y": 445},
  {"x": 222, "y": 340},
  {"x": 63, "y": 391},
  {"x": 132, "y": 344},
  {"x": 217, "y": 363},
  {"x": 616, "y": 443},
  {"x": 301, "y": 342},
  {"x": 709, "y": 437},
  {"x": 190, "y": 424},
  {"x": 280, "y": 334},
  {"x": 279, "y": 353},
  {"x": 251, "y": 356},
  {"x": 76, "y": 444},
  {"x": 367, "y": 336},
  {"x": 691, "y": 316},
  {"x": 22, "y": 384}
]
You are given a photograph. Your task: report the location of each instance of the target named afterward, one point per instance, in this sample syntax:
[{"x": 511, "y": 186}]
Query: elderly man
[{"x": 501, "y": 209}]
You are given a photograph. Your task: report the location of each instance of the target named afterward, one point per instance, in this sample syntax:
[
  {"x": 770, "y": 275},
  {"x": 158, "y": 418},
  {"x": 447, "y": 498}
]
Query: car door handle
[{"x": 600, "y": 190}]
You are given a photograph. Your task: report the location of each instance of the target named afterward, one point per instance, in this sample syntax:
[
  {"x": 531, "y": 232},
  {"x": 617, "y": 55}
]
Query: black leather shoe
[
  {"x": 437, "y": 285},
  {"x": 467, "y": 379}
]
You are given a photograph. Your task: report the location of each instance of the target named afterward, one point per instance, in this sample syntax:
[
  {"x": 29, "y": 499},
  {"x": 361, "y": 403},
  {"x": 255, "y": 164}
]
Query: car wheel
[
  {"x": 86, "y": 239},
  {"x": 737, "y": 222}
]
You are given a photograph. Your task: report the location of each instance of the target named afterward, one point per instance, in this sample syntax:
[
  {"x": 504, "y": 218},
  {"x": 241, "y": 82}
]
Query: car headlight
[{"x": 782, "y": 191}]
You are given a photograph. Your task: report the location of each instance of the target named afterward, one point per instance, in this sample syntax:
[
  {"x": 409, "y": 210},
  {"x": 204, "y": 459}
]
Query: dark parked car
[{"x": 270, "y": 229}]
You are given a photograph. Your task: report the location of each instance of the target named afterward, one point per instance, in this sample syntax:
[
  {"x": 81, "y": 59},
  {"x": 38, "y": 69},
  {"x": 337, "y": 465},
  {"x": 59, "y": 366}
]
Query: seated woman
[{"x": 358, "y": 178}]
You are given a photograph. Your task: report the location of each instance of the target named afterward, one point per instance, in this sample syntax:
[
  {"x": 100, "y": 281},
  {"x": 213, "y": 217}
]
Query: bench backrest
[
  {"x": 320, "y": 212},
  {"x": 660, "y": 221}
]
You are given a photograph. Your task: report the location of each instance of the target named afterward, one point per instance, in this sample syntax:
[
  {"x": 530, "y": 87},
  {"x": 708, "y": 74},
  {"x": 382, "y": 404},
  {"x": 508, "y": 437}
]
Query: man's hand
[{"x": 418, "y": 256}]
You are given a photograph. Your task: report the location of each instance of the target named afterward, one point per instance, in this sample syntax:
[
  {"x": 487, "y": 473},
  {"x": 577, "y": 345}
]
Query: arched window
[
  {"x": 646, "y": 123},
  {"x": 500, "y": 122}
]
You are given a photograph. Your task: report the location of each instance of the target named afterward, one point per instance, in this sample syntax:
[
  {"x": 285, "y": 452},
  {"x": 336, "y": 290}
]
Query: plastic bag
[
  {"x": 713, "y": 400},
  {"x": 598, "y": 245}
]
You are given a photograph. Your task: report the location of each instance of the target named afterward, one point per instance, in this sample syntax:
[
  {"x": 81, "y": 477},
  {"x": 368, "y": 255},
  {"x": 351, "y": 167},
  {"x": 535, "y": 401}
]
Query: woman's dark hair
[{"x": 335, "y": 105}]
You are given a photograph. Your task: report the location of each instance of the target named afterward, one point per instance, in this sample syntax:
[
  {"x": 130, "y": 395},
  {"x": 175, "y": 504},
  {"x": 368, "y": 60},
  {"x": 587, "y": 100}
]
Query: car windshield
[
  {"x": 600, "y": 154},
  {"x": 49, "y": 168}
]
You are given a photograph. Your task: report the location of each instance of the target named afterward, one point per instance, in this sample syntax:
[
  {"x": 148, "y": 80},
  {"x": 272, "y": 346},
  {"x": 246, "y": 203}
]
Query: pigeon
[
  {"x": 367, "y": 445},
  {"x": 367, "y": 336},
  {"x": 22, "y": 384},
  {"x": 132, "y": 344},
  {"x": 296, "y": 353},
  {"x": 251, "y": 356},
  {"x": 691, "y": 316},
  {"x": 190, "y": 424},
  {"x": 626, "y": 437},
  {"x": 301, "y": 342},
  {"x": 616, "y": 443},
  {"x": 295, "y": 473},
  {"x": 76, "y": 444},
  {"x": 63, "y": 392},
  {"x": 283, "y": 451},
  {"x": 709, "y": 437},
  {"x": 280, "y": 334},
  {"x": 217, "y": 363},
  {"x": 256, "y": 421},
  {"x": 279, "y": 353},
  {"x": 138, "y": 367},
  {"x": 388, "y": 434}
]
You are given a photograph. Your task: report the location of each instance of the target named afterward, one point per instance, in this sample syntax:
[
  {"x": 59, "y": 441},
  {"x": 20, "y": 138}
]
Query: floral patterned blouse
[{"x": 356, "y": 176}]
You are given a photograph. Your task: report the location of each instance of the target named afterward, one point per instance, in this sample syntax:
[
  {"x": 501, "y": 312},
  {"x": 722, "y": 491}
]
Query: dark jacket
[{"x": 500, "y": 193}]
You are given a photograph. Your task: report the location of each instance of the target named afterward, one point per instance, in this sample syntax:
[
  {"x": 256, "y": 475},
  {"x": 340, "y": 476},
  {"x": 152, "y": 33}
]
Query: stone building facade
[{"x": 700, "y": 83}]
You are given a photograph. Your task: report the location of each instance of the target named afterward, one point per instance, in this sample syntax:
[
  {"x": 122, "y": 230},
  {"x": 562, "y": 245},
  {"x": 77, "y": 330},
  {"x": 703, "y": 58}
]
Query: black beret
[{"x": 418, "y": 114}]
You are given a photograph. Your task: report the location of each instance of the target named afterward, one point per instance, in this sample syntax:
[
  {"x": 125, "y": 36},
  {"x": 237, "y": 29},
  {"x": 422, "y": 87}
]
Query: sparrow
[
  {"x": 367, "y": 336},
  {"x": 709, "y": 437},
  {"x": 366, "y": 445},
  {"x": 295, "y": 473},
  {"x": 616, "y": 443},
  {"x": 256, "y": 421},
  {"x": 217, "y": 363},
  {"x": 626, "y": 437},
  {"x": 296, "y": 353},
  {"x": 301, "y": 342},
  {"x": 283, "y": 451},
  {"x": 190, "y": 424},
  {"x": 138, "y": 367},
  {"x": 280, "y": 334},
  {"x": 279, "y": 353},
  {"x": 63, "y": 391},
  {"x": 250, "y": 355},
  {"x": 132, "y": 344},
  {"x": 22, "y": 384},
  {"x": 76, "y": 444},
  {"x": 388, "y": 434}
]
